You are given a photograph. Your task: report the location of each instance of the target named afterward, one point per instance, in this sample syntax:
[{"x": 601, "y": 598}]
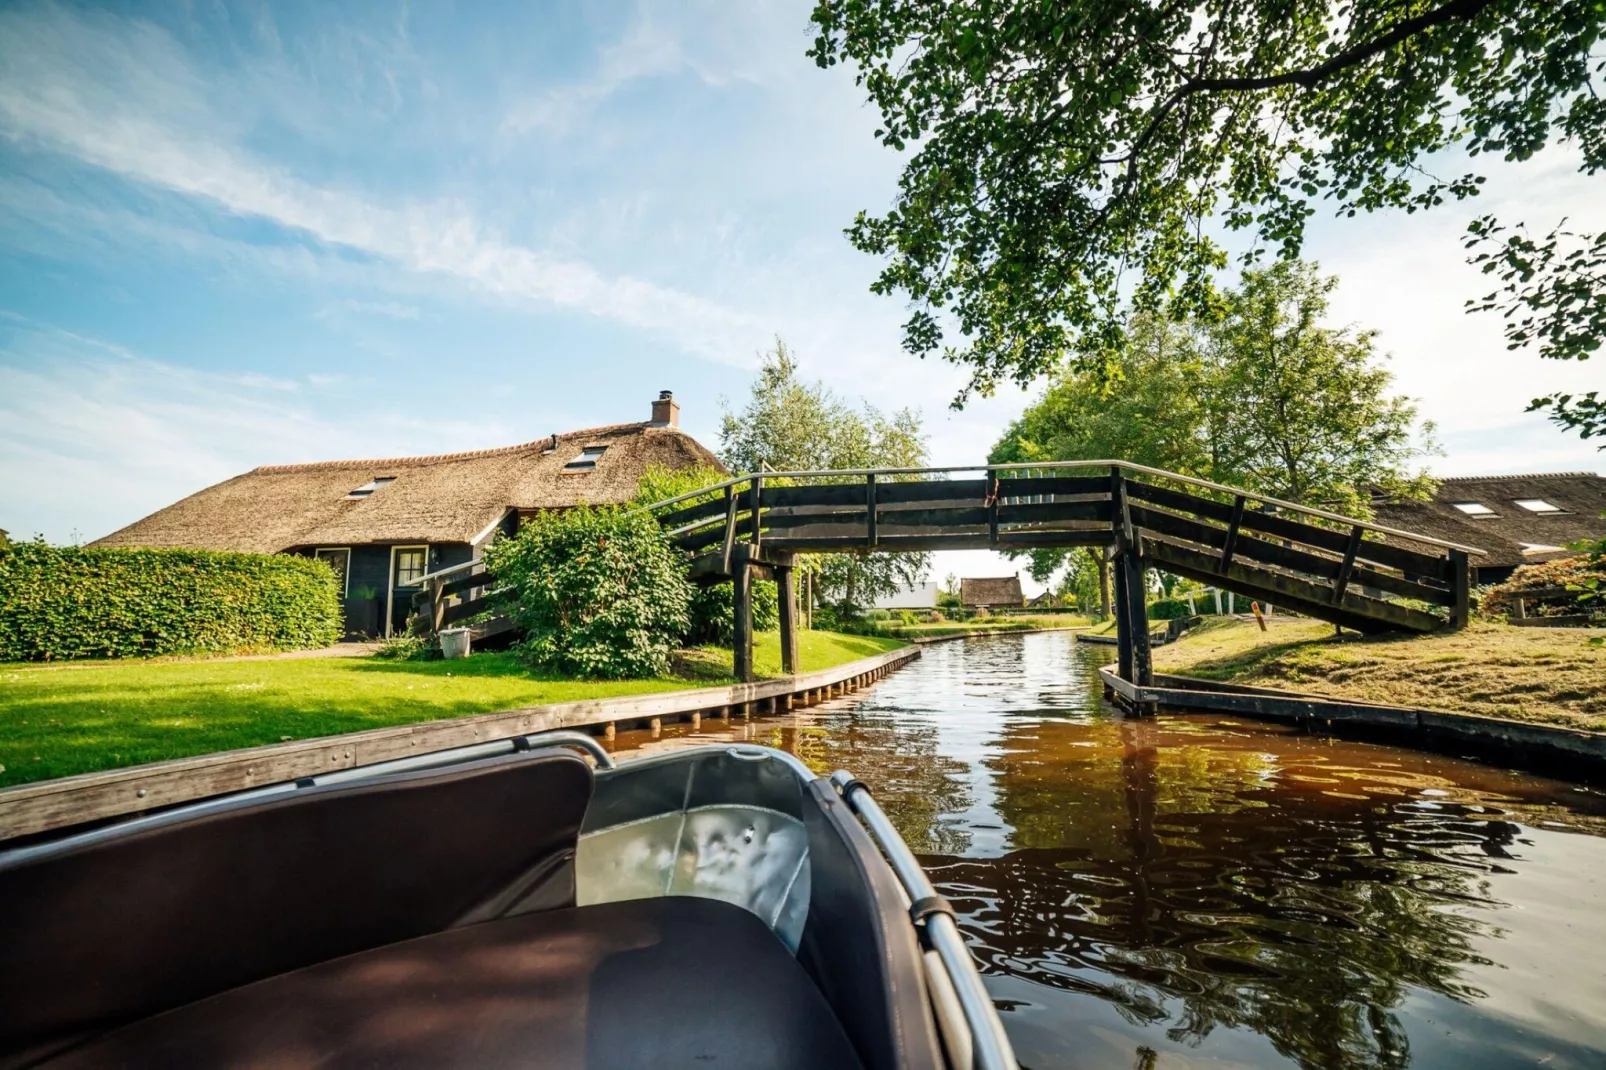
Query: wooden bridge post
[
  {"x": 757, "y": 483},
  {"x": 1461, "y": 589},
  {"x": 1123, "y": 620},
  {"x": 742, "y": 615},
  {"x": 1137, "y": 590},
  {"x": 786, "y": 584}
]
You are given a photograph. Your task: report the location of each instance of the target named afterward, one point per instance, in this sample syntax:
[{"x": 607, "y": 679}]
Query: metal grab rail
[
  {"x": 990, "y": 1045},
  {"x": 1308, "y": 510}
]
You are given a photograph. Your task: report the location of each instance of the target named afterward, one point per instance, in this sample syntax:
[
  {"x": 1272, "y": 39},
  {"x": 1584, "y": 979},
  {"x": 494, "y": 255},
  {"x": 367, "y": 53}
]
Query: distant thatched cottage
[
  {"x": 1516, "y": 520},
  {"x": 383, "y": 524},
  {"x": 1001, "y": 592}
]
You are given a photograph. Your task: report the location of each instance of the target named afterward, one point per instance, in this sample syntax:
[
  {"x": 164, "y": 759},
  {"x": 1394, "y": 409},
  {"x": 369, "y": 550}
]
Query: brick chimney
[{"x": 665, "y": 412}]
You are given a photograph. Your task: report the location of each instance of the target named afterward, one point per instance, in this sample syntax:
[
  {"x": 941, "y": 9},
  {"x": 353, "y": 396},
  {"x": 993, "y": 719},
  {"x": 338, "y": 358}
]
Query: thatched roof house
[
  {"x": 384, "y": 523},
  {"x": 1001, "y": 592},
  {"x": 1517, "y": 520}
]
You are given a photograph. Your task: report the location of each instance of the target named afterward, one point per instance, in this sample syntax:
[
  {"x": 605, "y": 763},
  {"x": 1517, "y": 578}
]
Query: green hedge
[{"x": 62, "y": 602}]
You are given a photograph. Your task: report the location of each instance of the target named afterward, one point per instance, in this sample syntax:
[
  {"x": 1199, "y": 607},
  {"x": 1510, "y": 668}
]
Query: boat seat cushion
[
  {"x": 109, "y": 932},
  {"x": 668, "y": 982}
]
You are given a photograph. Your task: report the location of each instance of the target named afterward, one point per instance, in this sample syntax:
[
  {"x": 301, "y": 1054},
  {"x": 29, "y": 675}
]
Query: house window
[
  {"x": 1475, "y": 509},
  {"x": 369, "y": 487},
  {"x": 338, "y": 559},
  {"x": 411, "y": 564},
  {"x": 1537, "y": 505},
  {"x": 587, "y": 459}
]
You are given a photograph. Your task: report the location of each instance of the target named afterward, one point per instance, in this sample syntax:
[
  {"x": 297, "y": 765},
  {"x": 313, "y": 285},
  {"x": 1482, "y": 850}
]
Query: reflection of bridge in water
[{"x": 1350, "y": 572}]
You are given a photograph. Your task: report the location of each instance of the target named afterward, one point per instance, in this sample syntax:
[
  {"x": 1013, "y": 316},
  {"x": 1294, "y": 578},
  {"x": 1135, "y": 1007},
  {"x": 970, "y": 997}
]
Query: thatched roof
[
  {"x": 450, "y": 497},
  {"x": 1509, "y": 533},
  {"x": 994, "y": 591}
]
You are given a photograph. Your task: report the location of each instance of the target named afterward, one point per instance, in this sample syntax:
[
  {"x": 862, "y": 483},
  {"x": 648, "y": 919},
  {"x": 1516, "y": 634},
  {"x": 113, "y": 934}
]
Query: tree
[
  {"x": 1265, "y": 398},
  {"x": 1074, "y": 159},
  {"x": 790, "y": 425},
  {"x": 1554, "y": 293},
  {"x": 1300, "y": 411},
  {"x": 1143, "y": 406}
]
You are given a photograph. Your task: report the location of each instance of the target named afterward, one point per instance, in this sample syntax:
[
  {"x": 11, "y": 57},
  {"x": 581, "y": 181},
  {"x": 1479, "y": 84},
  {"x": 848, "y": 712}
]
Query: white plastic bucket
[{"x": 454, "y": 643}]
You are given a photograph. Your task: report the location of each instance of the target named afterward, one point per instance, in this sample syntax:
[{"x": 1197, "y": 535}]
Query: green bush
[
  {"x": 712, "y": 617},
  {"x": 1579, "y": 577},
  {"x": 594, "y": 593},
  {"x": 1170, "y": 609},
  {"x": 61, "y": 602}
]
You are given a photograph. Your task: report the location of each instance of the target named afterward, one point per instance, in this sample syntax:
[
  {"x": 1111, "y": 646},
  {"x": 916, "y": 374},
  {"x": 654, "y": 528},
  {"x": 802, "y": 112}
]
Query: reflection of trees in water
[
  {"x": 914, "y": 784},
  {"x": 1302, "y": 916}
]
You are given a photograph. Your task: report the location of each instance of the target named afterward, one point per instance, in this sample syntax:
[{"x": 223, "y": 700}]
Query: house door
[{"x": 407, "y": 567}]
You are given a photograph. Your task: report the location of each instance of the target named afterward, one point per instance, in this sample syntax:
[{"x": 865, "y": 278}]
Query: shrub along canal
[{"x": 1201, "y": 891}]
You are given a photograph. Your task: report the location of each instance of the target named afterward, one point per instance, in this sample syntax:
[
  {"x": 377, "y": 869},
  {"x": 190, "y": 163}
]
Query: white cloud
[
  {"x": 93, "y": 436},
  {"x": 90, "y": 88}
]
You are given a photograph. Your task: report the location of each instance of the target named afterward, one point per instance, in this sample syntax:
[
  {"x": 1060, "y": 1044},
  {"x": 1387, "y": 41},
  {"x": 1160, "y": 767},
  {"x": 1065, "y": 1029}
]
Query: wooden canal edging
[
  {"x": 1518, "y": 743},
  {"x": 50, "y": 804}
]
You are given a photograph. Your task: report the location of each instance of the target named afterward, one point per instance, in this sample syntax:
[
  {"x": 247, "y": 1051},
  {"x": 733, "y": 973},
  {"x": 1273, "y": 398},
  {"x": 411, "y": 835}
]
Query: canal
[{"x": 1203, "y": 891}]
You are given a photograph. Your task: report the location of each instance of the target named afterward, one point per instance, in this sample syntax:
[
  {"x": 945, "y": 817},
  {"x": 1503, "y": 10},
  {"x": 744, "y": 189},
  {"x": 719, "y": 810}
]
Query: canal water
[{"x": 1202, "y": 891}]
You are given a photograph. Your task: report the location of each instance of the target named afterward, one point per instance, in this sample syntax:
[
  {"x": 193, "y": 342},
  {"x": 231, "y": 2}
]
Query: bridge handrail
[{"x": 1014, "y": 466}]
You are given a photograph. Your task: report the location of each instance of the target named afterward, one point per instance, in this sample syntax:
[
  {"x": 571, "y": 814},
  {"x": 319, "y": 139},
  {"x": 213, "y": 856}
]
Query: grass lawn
[
  {"x": 1554, "y": 675},
  {"x": 77, "y": 717}
]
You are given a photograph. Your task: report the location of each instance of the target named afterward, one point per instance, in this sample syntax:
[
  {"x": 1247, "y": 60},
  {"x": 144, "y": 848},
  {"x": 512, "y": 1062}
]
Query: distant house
[
  {"x": 912, "y": 596},
  {"x": 1002, "y": 592},
  {"x": 1517, "y": 520},
  {"x": 383, "y": 524}
]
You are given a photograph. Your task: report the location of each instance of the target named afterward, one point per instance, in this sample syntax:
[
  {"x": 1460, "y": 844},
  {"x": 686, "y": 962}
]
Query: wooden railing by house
[{"x": 453, "y": 595}]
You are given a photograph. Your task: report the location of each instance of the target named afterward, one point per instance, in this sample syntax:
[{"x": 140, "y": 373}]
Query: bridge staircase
[{"x": 1320, "y": 564}]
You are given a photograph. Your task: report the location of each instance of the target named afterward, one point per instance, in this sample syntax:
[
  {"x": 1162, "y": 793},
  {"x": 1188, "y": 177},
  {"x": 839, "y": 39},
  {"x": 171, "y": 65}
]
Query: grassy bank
[
  {"x": 65, "y": 718},
  {"x": 1551, "y": 675}
]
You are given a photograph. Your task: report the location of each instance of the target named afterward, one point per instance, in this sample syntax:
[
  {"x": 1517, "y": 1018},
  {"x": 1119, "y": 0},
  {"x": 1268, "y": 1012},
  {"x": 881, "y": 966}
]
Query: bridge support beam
[
  {"x": 742, "y": 614},
  {"x": 1132, "y": 617},
  {"x": 786, "y": 584}
]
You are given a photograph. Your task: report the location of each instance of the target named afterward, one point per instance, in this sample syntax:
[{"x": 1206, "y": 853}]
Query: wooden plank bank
[
  {"x": 88, "y": 797},
  {"x": 1519, "y": 744}
]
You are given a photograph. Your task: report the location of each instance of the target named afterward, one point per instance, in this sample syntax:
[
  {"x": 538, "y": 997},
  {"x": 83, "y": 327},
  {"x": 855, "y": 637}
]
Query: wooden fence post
[
  {"x": 872, "y": 536},
  {"x": 786, "y": 582},
  {"x": 1461, "y": 587},
  {"x": 757, "y": 484},
  {"x": 730, "y": 530},
  {"x": 992, "y": 506},
  {"x": 742, "y": 614}
]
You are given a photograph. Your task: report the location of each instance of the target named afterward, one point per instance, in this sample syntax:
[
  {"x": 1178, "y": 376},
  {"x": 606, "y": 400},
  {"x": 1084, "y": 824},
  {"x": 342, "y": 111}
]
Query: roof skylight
[
  {"x": 1474, "y": 508},
  {"x": 1538, "y": 505},
  {"x": 587, "y": 459},
  {"x": 369, "y": 487}
]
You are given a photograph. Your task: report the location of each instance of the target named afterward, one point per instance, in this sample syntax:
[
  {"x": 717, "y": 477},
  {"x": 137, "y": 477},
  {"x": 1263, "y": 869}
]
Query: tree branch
[{"x": 1309, "y": 77}]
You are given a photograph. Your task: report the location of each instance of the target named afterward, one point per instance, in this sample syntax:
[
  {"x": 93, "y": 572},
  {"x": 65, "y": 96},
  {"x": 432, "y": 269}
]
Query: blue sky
[{"x": 243, "y": 234}]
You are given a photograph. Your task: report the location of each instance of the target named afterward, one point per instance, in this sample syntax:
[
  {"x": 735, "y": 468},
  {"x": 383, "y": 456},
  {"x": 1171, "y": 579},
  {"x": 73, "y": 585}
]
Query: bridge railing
[{"x": 1346, "y": 569}]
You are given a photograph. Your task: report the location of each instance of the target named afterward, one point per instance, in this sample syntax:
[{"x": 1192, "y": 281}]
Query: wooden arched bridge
[{"x": 1351, "y": 572}]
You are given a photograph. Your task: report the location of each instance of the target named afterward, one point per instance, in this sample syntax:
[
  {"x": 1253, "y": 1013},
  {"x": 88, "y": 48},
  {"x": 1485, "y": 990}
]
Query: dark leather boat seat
[
  {"x": 672, "y": 982},
  {"x": 424, "y": 918}
]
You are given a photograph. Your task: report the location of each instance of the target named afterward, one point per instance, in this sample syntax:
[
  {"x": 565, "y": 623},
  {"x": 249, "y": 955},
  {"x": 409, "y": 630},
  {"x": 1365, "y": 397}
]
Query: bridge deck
[{"x": 1348, "y": 571}]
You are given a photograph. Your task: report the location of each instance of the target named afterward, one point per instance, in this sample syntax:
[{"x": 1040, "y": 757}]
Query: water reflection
[{"x": 1193, "y": 891}]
